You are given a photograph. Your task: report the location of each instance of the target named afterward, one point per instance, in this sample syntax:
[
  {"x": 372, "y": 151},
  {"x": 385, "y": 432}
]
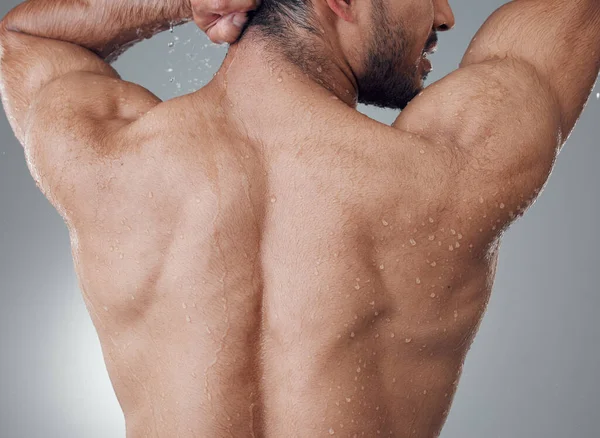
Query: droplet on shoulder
[
  {"x": 273, "y": 199},
  {"x": 407, "y": 340},
  {"x": 418, "y": 280},
  {"x": 413, "y": 242},
  {"x": 384, "y": 222},
  {"x": 331, "y": 431}
]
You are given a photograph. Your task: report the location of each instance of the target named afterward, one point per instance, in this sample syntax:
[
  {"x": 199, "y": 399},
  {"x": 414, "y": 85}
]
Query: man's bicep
[
  {"x": 39, "y": 76},
  {"x": 500, "y": 123}
]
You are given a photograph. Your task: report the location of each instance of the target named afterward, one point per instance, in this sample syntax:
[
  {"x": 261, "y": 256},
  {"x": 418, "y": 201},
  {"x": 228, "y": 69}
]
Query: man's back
[
  {"x": 223, "y": 274},
  {"x": 312, "y": 273}
]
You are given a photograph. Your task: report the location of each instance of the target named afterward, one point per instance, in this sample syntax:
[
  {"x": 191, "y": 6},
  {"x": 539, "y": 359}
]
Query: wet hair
[
  {"x": 276, "y": 19},
  {"x": 287, "y": 27}
]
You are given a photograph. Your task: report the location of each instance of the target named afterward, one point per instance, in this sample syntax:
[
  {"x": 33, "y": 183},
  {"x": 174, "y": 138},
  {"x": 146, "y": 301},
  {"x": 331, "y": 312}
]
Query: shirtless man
[{"x": 259, "y": 258}]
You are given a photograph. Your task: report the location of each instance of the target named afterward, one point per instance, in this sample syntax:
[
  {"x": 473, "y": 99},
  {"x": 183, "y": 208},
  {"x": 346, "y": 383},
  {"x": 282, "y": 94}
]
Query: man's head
[{"x": 379, "y": 43}]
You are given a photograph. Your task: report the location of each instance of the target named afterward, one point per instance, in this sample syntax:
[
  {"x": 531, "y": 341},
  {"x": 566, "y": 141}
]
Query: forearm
[{"x": 106, "y": 27}]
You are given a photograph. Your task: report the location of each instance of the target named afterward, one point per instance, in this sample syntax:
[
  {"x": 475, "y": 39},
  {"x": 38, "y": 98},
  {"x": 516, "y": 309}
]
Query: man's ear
[{"x": 345, "y": 9}]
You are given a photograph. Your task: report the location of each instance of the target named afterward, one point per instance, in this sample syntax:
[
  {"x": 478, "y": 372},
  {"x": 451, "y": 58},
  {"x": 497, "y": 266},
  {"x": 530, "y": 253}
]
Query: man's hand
[{"x": 222, "y": 20}]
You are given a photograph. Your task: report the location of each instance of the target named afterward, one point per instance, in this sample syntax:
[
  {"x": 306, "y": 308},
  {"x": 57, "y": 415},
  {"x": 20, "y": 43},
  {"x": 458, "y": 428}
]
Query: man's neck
[{"x": 249, "y": 71}]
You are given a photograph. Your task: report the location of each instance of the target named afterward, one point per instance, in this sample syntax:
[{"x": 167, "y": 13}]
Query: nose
[{"x": 444, "y": 18}]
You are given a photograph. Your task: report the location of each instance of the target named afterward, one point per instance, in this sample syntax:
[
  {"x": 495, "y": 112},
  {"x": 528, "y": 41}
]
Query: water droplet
[
  {"x": 459, "y": 236},
  {"x": 348, "y": 399},
  {"x": 184, "y": 305},
  {"x": 352, "y": 334},
  {"x": 431, "y": 237},
  {"x": 432, "y": 295},
  {"x": 280, "y": 79},
  {"x": 413, "y": 242},
  {"x": 358, "y": 369},
  {"x": 421, "y": 151},
  {"x": 188, "y": 319},
  {"x": 171, "y": 28},
  {"x": 455, "y": 314},
  {"x": 480, "y": 200},
  {"x": 453, "y": 232},
  {"x": 384, "y": 222},
  {"x": 112, "y": 248},
  {"x": 105, "y": 308},
  {"x": 357, "y": 286},
  {"x": 431, "y": 219},
  {"x": 502, "y": 205},
  {"x": 150, "y": 194},
  {"x": 433, "y": 263},
  {"x": 376, "y": 335},
  {"x": 451, "y": 248},
  {"x": 424, "y": 391},
  {"x": 457, "y": 245},
  {"x": 418, "y": 280},
  {"x": 331, "y": 431},
  {"x": 273, "y": 199},
  {"x": 319, "y": 69},
  {"x": 597, "y": 95},
  {"x": 121, "y": 255},
  {"x": 392, "y": 335},
  {"x": 381, "y": 266},
  {"x": 407, "y": 340},
  {"x": 171, "y": 44}
]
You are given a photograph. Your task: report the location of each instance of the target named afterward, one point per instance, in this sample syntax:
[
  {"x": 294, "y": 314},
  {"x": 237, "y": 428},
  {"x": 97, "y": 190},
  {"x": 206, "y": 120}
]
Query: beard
[{"x": 388, "y": 81}]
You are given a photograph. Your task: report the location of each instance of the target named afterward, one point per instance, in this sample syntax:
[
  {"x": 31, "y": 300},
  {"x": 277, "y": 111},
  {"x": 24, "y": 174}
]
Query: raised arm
[
  {"x": 504, "y": 114},
  {"x": 560, "y": 39}
]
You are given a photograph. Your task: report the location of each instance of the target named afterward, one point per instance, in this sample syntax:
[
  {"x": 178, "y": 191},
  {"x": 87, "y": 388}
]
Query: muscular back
[
  {"x": 325, "y": 279},
  {"x": 308, "y": 286}
]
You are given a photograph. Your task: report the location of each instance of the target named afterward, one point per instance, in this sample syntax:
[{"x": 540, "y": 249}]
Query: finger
[
  {"x": 226, "y": 30},
  {"x": 225, "y": 7}
]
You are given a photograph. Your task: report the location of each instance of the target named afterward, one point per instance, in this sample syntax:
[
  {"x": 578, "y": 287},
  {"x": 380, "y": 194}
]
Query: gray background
[{"x": 532, "y": 370}]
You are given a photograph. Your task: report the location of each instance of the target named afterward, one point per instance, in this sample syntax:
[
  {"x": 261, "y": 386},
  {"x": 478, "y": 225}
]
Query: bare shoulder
[{"x": 502, "y": 124}]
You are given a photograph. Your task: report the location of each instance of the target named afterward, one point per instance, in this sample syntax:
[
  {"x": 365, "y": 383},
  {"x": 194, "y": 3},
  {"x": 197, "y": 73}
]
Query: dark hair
[
  {"x": 288, "y": 27},
  {"x": 276, "y": 19}
]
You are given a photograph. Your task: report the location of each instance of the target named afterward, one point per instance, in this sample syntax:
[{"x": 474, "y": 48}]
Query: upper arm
[
  {"x": 499, "y": 122},
  {"x": 65, "y": 105},
  {"x": 38, "y": 75},
  {"x": 505, "y": 113}
]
